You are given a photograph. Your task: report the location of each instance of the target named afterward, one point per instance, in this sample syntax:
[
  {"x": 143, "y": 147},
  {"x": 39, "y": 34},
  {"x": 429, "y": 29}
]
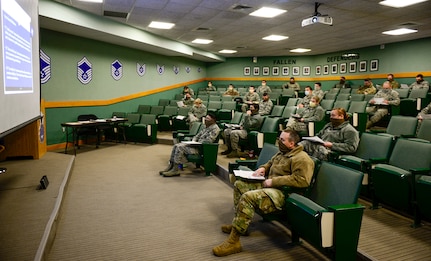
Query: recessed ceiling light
[
  {"x": 400, "y": 31},
  {"x": 227, "y": 51},
  {"x": 300, "y": 50},
  {"x": 92, "y": 1},
  {"x": 274, "y": 37},
  {"x": 161, "y": 25},
  {"x": 202, "y": 41},
  {"x": 400, "y": 3},
  {"x": 268, "y": 12}
]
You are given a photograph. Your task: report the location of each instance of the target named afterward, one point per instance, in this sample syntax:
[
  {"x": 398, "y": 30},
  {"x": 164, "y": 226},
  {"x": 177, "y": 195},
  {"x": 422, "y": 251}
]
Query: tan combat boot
[{"x": 230, "y": 246}]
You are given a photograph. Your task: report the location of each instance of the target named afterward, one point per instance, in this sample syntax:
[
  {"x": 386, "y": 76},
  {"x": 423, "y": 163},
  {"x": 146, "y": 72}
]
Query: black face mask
[
  {"x": 336, "y": 122},
  {"x": 283, "y": 148}
]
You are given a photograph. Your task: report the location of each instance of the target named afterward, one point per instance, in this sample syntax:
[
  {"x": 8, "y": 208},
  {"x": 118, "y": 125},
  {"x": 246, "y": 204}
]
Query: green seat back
[
  {"x": 164, "y": 102},
  {"x": 236, "y": 119},
  {"x": 228, "y": 105},
  {"x": 424, "y": 131},
  {"x": 357, "y": 97},
  {"x": 342, "y": 104},
  {"x": 170, "y": 110},
  {"x": 269, "y": 125},
  {"x": 336, "y": 185},
  {"x": 357, "y": 106},
  {"x": 418, "y": 93},
  {"x": 147, "y": 119},
  {"x": 292, "y": 102},
  {"x": 184, "y": 111},
  {"x": 403, "y": 93},
  {"x": 133, "y": 118},
  {"x": 157, "y": 110},
  {"x": 409, "y": 154},
  {"x": 144, "y": 109},
  {"x": 343, "y": 96},
  {"x": 195, "y": 128},
  {"x": 327, "y": 104},
  {"x": 266, "y": 154},
  {"x": 402, "y": 125},
  {"x": 288, "y": 111},
  {"x": 277, "y": 110},
  {"x": 372, "y": 146}
]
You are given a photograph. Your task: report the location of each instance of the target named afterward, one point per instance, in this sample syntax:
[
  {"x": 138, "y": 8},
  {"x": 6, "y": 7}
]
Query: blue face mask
[{"x": 307, "y": 92}]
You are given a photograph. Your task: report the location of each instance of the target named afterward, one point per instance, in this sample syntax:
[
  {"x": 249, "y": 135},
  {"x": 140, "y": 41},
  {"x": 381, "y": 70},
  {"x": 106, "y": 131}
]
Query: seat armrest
[
  {"x": 377, "y": 160},
  {"x": 420, "y": 171}
]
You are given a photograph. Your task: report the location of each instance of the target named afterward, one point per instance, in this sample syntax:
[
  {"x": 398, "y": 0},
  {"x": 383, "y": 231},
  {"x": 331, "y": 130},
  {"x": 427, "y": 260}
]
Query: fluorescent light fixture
[
  {"x": 227, "y": 51},
  {"x": 161, "y": 25},
  {"x": 92, "y": 1},
  {"x": 400, "y": 31},
  {"x": 202, "y": 41},
  {"x": 274, "y": 37},
  {"x": 268, "y": 12},
  {"x": 400, "y": 3},
  {"x": 300, "y": 50}
]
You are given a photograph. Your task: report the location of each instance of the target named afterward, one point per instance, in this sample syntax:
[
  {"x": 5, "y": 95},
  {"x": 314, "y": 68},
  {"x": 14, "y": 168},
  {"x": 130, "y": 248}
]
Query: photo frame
[
  {"x": 318, "y": 70},
  {"x": 275, "y": 70},
  {"x": 326, "y": 69},
  {"x": 343, "y": 67},
  {"x": 352, "y": 67},
  {"x": 247, "y": 70},
  {"x": 285, "y": 70},
  {"x": 374, "y": 65},
  {"x": 256, "y": 70},
  {"x": 306, "y": 70},
  {"x": 334, "y": 68},
  {"x": 295, "y": 70},
  {"x": 265, "y": 70},
  {"x": 363, "y": 66}
]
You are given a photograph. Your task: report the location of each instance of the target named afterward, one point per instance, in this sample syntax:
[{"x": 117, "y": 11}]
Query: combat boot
[
  {"x": 171, "y": 164},
  {"x": 230, "y": 246},
  {"x": 172, "y": 172}
]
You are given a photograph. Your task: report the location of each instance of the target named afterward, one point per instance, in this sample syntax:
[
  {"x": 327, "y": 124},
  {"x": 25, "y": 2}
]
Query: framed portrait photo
[
  {"x": 343, "y": 67},
  {"x": 334, "y": 68},
  {"x": 352, "y": 67},
  {"x": 247, "y": 70},
  {"x": 265, "y": 70},
  {"x": 295, "y": 70},
  {"x": 285, "y": 70},
  {"x": 318, "y": 70},
  {"x": 363, "y": 66},
  {"x": 306, "y": 70},
  {"x": 374, "y": 65},
  {"x": 256, "y": 70},
  {"x": 275, "y": 70},
  {"x": 326, "y": 69}
]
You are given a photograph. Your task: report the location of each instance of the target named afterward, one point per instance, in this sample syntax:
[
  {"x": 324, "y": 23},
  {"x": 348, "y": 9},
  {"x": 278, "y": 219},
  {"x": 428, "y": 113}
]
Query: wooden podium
[{"x": 27, "y": 142}]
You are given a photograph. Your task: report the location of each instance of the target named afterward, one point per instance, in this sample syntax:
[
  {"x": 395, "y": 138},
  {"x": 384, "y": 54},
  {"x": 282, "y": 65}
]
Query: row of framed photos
[{"x": 351, "y": 67}]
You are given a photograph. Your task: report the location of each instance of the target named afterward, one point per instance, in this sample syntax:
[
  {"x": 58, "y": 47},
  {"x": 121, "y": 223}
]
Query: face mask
[
  {"x": 283, "y": 148},
  {"x": 251, "y": 91},
  {"x": 313, "y": 104},
  {"x": 230, "y": 88},
  {"x": 386, "y": 90},
  {"x": 263, "y": 84},
  {"x": 307, "y": 92},
  {"x": 336, "y": 122}
]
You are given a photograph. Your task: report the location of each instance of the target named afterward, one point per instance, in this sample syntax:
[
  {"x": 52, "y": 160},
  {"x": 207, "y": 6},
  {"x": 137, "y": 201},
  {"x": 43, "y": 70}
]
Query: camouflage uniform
[
  {"x": 377, "y": 112},
  {"x": 394, "y": 84},
  {"x": 265, "y": 107},
  {"x": 197, "y": 113},
  {"x": 319, "y": 93},
  {"x": 248, "y": 123},
  {"x": 306, "y": 100},
  {"x": 426, "y": 112},
  {"x": 367, "y": 90},
  {"x": 295, "y": 169},
  {"x": 231, "y": 93},
  {"x": 421, "y": 85},
  {"x": 180, "y": 150},
  {"x": 262, "y": 89},
  {"x": 188, "y": 102},
  {"x": 250, "y": 97},
  {"x": 344, "y": 138},
  {"x": 295, "y": 86},
  {"x": 309, "y": 114}
]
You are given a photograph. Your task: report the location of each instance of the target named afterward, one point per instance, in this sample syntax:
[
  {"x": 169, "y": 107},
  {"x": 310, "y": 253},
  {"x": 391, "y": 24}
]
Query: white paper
[
  {"x": 378, "y": 100},
  {"x": 181, "y": 117},
  {"x": 180, "y": 103},
  {"x": 191, "y": 142},
  {"x": 247, "y": 174},
  {"x": 314, "y": 139}
]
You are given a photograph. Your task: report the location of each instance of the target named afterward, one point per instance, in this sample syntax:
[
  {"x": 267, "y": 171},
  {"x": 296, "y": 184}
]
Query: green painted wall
[{"x": 66, "y": 50}]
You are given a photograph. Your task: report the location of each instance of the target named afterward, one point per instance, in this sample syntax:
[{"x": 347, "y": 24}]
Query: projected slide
[{"x": 17, "y": 36}]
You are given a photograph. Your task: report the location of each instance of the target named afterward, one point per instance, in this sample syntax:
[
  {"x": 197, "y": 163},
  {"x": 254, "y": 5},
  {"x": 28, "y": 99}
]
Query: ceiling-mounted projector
[{"x": 317, "y": 17}]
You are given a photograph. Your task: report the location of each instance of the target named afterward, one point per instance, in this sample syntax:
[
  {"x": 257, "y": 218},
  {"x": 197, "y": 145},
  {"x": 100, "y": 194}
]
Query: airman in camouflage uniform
[
  {"x": 231, "y": 91},
  {"x": 197, "y": 112},
  {"x": 305, "y": 101},
  {"x": 291, "y": 166},
  {"x": 265, "y": 105},
  {"x": 250, "y": 98},
  {"x": 263, "y": 88},
  {"x": 377, "y": 111},
  {"x": 179, "y": 151},
  {"x": 420, "y": 83},
  {"x": 314, "y": 112},
  {"x": 393, "y": 83},
  {"x": 251, "y": 121},
  {"x": 368, "y": 87}
]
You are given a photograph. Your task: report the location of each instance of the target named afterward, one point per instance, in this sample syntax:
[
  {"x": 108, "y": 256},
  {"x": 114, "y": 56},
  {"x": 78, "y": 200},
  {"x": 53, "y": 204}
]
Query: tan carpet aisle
[{"x": 118, "y": 207}]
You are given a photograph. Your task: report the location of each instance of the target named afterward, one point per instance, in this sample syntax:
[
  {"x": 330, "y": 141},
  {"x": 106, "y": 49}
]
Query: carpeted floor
[{"x": 117, "y": 207}]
